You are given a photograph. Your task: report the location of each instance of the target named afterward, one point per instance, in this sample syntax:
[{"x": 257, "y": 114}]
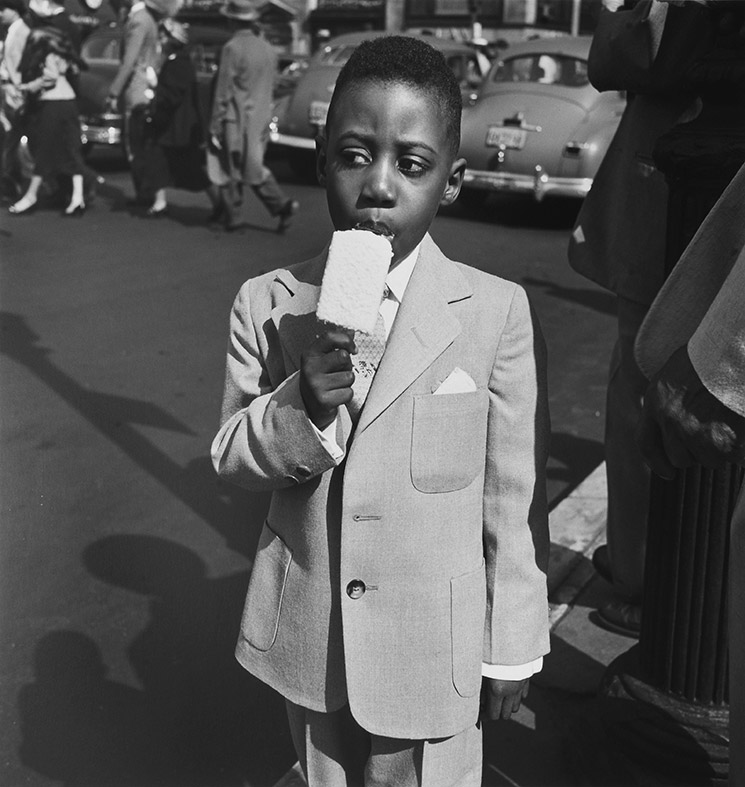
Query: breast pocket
[
  {"x": 448, "y": 440},
  {"x": 266, "y": 589}
]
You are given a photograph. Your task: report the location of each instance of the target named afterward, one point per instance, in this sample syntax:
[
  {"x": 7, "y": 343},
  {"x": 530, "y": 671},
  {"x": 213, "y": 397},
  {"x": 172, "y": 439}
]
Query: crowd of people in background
[{"x": 167, "y": 140}]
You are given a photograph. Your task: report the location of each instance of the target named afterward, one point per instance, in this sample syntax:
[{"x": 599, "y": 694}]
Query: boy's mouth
[{"x": 378, "y": 227}]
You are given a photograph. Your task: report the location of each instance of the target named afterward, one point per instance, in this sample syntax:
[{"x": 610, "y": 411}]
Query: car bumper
[
  {"x": 290, "y": 141},
  {"x": 539, "y": 184},
  {"x": 101, "y": 134}
]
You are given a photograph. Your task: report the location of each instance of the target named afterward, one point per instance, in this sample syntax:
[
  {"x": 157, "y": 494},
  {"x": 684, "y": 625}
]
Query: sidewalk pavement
[{"x": 557, "y": 738}]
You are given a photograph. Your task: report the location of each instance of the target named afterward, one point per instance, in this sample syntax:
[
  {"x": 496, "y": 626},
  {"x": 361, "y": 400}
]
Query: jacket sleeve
[
  {"x": 717, "y": 348},
  {"x": 644, "y": 52},
  {"x": 516, "y": 539},
  {"x": 223, "y": 92},
  {"x": 134, "y": 40},
  {"x": 266, "y": 440}
]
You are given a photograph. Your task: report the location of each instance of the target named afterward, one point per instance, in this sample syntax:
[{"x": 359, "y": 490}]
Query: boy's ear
[
  {"x": 321, "y": 159},
  {"x": 454, "y": 182}
]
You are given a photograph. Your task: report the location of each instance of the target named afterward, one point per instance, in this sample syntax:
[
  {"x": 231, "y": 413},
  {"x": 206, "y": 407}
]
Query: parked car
[
  {"x": 301, "y": 115},
  {"x": 538, "y": 126}
]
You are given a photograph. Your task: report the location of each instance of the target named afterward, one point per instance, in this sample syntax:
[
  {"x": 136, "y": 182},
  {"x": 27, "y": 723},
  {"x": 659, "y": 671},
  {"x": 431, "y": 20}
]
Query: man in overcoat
[
  {"x": 241, "y": 112},
  {"x": 619, "y": 242}
]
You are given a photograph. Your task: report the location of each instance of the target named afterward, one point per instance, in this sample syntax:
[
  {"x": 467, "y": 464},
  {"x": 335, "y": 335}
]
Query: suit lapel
[
  {"x": 295, "y": 316},
  {"x": 424, "y": 328}
]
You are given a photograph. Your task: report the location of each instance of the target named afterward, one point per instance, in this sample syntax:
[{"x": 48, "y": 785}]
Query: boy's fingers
[{"x": 333, "y": 340}]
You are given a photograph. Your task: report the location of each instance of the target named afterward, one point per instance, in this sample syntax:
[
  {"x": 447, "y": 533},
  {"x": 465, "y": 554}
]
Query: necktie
[{"x": 370, "y": 349}]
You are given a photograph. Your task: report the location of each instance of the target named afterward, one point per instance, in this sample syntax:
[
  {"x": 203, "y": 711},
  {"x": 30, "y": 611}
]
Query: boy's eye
[
  {"x": 355, "y": 156},
  {"x": 412, "y": 166}
]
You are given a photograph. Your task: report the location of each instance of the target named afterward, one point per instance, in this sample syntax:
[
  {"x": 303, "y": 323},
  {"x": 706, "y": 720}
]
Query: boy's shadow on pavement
[{"x": 199, "y": 719}]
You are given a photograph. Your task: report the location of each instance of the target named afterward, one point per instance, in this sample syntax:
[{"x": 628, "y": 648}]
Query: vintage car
[
  {"x": 301, "y": 115},
  {"x": 102, "y": 49},
  {"x": 537, "y": 126}
]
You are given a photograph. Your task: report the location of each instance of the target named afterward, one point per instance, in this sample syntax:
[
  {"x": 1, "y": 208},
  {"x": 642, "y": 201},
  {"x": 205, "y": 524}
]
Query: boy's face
[{"x": 386, "y": 161}]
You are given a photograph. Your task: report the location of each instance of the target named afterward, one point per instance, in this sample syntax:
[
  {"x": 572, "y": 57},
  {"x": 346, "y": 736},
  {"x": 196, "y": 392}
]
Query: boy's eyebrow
[{"x": 367, "y": 138}]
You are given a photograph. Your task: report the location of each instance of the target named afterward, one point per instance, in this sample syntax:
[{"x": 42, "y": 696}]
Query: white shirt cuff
[
  {"x": 512, "y": 671},
  {"x": 327, "y": 437}
]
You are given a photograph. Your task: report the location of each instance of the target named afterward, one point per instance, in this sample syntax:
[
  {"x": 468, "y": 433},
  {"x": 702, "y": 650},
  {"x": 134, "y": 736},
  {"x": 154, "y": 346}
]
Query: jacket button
[
  {"x": 302, "y": 471},
  {"x": 356, "y": 588}
]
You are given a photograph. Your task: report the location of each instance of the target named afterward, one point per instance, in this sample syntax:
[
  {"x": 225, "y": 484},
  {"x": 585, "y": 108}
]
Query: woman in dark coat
[{"x": 175, "y": 152}]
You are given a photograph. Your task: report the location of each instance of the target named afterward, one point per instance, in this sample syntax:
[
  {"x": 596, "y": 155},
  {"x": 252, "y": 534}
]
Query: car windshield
[
  {"x": 542, "y": 69},
  {"x": 336, "y": 56}
]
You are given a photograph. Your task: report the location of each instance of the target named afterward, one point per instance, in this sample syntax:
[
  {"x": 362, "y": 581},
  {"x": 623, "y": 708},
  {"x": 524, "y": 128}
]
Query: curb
[{"x": 576, "y": 527}]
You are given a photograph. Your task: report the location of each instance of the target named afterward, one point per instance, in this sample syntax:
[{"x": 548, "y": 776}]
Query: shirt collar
[{"x": 398, "y": 278}]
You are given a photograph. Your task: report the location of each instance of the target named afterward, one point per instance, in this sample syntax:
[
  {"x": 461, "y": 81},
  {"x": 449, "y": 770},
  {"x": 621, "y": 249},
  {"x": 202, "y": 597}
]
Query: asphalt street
[{"x": 124, "y": 561}]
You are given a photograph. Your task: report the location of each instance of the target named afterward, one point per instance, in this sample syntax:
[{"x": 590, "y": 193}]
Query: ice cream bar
[{"x": 354, "y": 279}]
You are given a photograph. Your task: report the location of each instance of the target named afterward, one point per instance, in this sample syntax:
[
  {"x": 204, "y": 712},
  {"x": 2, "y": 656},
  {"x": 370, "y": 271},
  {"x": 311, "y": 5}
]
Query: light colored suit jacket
[
  {"x": 439, "y": 507},
  {"x": 141, "y": 50}
]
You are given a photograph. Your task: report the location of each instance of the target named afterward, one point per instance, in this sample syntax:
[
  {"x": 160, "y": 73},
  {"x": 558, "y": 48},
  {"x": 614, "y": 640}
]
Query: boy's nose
[{"x": 379, "y": 188}]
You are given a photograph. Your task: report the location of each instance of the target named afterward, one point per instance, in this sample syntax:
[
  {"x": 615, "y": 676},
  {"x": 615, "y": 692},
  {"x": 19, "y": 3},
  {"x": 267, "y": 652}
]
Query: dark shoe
[
  {"x": 289, "y": 209},
  {"x": 621, "y": 617},
  {"x": 156, "y": 213},
  {"x": 218, "y": 212},
  {"x": 601, "y": 563}
]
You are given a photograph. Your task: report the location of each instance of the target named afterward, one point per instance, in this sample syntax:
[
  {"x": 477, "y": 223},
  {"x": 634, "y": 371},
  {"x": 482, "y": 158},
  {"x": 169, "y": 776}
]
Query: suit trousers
[
  {"x": 334, "y": 751},
  {"x": 628, "y": 475}
]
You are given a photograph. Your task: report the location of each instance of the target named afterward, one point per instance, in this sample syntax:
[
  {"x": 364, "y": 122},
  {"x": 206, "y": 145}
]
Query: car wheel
[
  {"x": 303, "y": 165},
  {"x": 473, "y": 200}
]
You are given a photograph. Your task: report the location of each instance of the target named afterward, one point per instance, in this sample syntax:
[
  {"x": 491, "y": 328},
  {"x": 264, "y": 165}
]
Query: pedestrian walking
[
  {"x": 174, "y": 154},
  {"x": 619, "y": 242},
  {"x": 49, "y": 69},
  {"x": 13, "y": 174},
  {"x": 241, "y": 112},
  {"x": 405, "y": 552},
  {"x": 131, "y": 89}
]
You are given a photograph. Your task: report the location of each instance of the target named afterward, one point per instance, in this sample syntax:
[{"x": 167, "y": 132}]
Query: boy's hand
[
  {"x": 326, "y": 376},
  {"x": 501, "y": 698}
]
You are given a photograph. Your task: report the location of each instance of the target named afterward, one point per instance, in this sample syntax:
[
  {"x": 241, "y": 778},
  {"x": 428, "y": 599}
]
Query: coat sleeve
[
  {"x": 516, "y": 539},
  {"x": 134, "y": 40},
  {"x": 266, "y": 440},
  {"x": 645, "y": 52},
  {"x": 717, "y": 348},
  {"x": 223, "y": 90}
]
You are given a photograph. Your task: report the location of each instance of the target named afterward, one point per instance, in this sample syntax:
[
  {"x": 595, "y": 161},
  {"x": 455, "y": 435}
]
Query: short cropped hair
[{"x": 408, "y": 61}]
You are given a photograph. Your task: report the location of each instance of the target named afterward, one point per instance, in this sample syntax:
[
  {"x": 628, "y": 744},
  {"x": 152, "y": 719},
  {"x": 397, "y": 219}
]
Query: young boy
[{"x": 405, "y": 550}]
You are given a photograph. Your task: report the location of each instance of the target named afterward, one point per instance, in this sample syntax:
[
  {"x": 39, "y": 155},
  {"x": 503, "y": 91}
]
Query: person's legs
[
  {"x": 334, "y": 751},
  {"x": 628, "y": 475}
]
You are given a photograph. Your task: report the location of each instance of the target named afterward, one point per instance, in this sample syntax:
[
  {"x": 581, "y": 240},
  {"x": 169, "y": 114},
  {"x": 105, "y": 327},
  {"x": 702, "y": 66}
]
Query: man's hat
[
  {"x": 243, "y": 10},
  {"x": 164, "y": 7},
  {"x": 176, "y": 30}
]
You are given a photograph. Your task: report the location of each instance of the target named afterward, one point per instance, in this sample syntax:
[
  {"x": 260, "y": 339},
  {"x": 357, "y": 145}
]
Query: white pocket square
[{"x": 457, "y": 381}]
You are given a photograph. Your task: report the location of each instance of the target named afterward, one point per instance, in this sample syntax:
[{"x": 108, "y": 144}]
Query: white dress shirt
[{"x": 396, "y": 282}]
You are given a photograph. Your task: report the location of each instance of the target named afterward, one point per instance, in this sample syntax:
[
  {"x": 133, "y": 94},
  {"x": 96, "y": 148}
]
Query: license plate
[
  {"x": 504, "y": 137},
  {"x": 317, "y": 112}
]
